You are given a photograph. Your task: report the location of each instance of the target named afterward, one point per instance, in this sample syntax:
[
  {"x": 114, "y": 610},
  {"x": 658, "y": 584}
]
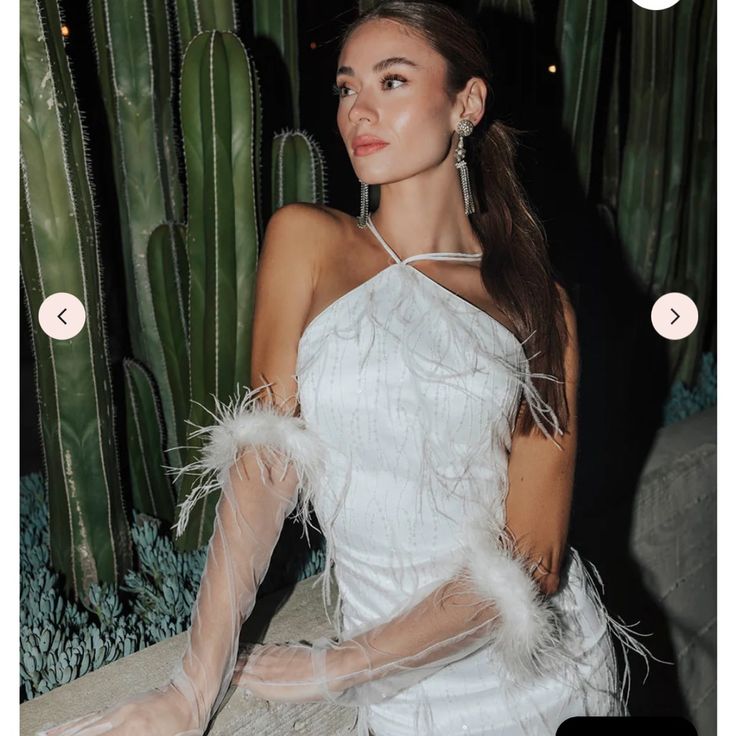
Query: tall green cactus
[
  {"x": 218, "y": 126},
  {"x": 298, "y": 169},
  {"x": 276, "y": 20},
  {"x": 645, "y": 152},
  {"x": 611, "y": 164},
  {"x": 90, "y": 542},
  {"x": 695, "y": 270},
  {"x": 581, "y": 28},
  {"x": 132, "y": 45},
  {"x": 652, "y": 177},
  {"x": 151, "y": 490},
  {"x": 678, "y": 135},
  {"x": 196, "y": 16},
  {"x": 666, "y": 214},
  {"x": 168, "y": 273}
]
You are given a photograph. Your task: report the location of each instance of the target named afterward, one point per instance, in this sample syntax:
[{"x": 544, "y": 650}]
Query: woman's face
[{"x": 403, "y": 104}]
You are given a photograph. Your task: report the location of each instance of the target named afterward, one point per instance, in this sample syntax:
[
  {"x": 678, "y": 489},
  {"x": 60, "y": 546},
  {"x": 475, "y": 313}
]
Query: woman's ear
[{"x": 471, "y": 101}]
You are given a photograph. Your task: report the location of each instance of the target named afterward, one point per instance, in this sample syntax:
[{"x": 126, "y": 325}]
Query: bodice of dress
[{"x": 414, "y": 390}]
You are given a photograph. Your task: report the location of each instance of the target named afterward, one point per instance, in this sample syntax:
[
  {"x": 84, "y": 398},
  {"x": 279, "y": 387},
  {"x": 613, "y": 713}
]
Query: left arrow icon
[{"x": 61, "y": 315}]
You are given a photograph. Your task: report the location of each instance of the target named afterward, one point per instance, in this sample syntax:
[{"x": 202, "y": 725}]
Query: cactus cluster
[
  {"x": 644, "y": 144},
  {"x": 60, "y": 253},
  {"x": 174, "y": 79},
  {"x": 62, "y": 639}
]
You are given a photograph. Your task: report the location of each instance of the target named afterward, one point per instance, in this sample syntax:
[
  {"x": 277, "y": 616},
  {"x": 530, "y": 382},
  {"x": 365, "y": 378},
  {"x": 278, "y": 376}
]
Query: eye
[
  {"x": 337, "y": 90},
  {"x": 392, "y": 78}
]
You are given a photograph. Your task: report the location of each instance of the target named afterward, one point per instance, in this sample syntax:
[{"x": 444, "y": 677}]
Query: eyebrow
[{"x": 380, "y": 66}]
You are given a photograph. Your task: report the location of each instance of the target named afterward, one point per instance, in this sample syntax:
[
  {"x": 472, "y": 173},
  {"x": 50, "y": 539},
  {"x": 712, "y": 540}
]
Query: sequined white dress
[{"x": 415, "y": 390}]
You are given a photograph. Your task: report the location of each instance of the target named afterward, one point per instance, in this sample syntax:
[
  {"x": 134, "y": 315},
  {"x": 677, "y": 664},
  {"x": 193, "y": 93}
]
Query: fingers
[
  {"x": 73, "y": 727},
  {"x": 99, "y": 729},
  {"x": 547, "y": 580}
]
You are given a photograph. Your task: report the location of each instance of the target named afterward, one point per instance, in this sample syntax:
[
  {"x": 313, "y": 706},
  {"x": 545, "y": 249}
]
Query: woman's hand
[
  {"x": 163, "y": 711},
  {"x": 292, "y": 673}
]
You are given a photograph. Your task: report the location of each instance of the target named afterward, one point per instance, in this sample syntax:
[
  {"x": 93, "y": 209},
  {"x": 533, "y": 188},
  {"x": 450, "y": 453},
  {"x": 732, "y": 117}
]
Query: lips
[
  {"x": 372, "y": 148},
  {"x": 365, "y": 144}
]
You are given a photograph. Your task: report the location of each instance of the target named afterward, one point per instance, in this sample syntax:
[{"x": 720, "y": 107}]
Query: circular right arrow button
[{"x": 674, "y": 315}]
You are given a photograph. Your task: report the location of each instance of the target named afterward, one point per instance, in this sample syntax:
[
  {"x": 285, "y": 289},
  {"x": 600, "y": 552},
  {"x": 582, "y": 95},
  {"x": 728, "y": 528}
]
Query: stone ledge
[{"x": 290, "y": 615}]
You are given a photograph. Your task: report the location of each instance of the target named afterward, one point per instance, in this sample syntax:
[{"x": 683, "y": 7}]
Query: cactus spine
[{"x": 90, "y": 541}]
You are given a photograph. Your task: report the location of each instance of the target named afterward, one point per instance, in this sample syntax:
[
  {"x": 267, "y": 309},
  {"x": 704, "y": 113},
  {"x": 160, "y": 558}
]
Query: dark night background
[{"x": 624, "y": 371}]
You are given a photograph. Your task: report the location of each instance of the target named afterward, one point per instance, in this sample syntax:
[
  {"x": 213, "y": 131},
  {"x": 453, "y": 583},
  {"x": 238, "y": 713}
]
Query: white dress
[{"x": 414, "y": 390}]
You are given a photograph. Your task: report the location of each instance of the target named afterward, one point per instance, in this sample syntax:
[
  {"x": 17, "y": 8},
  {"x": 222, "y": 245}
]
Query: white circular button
[
  {"x": 61, "y": 315},
  {"x": 655, "y": 4},
  {"x": 674, "y": 315}
]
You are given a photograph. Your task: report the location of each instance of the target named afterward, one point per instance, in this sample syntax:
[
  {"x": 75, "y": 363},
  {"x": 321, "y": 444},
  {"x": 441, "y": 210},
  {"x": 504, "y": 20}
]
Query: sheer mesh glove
[
  {"x": 260, "y": 458},
  {"x": 159, "y": 712},
  {"x": 493, "y": 600}
]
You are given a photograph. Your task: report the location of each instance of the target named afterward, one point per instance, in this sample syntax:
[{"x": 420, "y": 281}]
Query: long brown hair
[{"x": 515, "y": 267}]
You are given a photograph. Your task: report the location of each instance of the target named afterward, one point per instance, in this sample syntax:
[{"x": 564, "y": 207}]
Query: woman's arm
[
  {"x": 263, "y": 455},
  {"x": 541, "y": 477},
  {"x": 260, "y": 456},
  {"x": 498, "y": 598}
]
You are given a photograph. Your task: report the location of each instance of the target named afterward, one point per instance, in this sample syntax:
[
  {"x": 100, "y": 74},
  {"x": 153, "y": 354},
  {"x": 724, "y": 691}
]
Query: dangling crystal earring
[
  {"x": 464, "y": 128},
  {"x": 363, "y": 216}
]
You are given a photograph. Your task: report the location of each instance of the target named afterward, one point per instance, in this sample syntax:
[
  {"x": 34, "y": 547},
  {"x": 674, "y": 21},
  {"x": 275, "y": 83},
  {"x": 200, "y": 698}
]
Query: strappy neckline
[
  {"x": 398, "y": 262},
  {"x": 436, "y": 256}
]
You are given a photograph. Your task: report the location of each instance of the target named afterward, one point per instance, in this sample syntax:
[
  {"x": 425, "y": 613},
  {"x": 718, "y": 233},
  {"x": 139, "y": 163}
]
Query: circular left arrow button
[{"x": 61, "y": 315}]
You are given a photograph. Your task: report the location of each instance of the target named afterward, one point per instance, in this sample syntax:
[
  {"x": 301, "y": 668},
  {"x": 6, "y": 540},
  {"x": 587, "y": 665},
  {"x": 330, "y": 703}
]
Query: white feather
[
  {"x": 245, "y": 423},
  {"x": 529, "y": 635}
]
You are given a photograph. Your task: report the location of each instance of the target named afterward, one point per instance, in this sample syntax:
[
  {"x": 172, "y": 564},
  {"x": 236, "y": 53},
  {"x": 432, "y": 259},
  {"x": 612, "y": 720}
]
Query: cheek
[
  {"x": 341, "y": 117},
  {"x": 425, "y": 118},
  {"x": 423, "y": 129}
]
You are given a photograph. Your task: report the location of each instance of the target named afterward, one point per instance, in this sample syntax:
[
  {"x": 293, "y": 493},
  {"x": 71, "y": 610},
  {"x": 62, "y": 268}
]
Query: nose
[{"x": 361, "y": 109}]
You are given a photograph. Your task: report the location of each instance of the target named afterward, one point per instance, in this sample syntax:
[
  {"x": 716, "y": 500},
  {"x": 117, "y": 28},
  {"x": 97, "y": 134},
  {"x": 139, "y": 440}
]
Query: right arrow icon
[{"x": 685, "y": 315}]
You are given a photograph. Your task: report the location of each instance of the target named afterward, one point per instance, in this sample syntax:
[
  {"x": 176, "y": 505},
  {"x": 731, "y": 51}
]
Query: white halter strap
[{"x": 420, "y": 256}]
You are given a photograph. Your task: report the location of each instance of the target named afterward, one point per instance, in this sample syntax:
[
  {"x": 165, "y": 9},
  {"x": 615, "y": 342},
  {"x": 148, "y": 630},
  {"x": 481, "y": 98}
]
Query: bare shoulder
[
  {"x": 307, "y": 233},
  {"x": 312, "y": 220},
  {"x": 297, "y": 238}
]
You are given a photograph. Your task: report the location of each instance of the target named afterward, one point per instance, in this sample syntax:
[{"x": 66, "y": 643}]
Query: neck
[{"x": 426, "y": 213}]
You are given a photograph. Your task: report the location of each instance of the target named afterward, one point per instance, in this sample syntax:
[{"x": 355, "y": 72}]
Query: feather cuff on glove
[
  {"x": 528, "y": 635},
  {"x": 245, "y": 423}
]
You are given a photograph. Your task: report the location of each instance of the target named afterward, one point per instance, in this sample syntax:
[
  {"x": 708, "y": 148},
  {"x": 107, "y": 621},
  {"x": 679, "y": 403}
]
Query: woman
[{"x": 395, "y": 394}]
